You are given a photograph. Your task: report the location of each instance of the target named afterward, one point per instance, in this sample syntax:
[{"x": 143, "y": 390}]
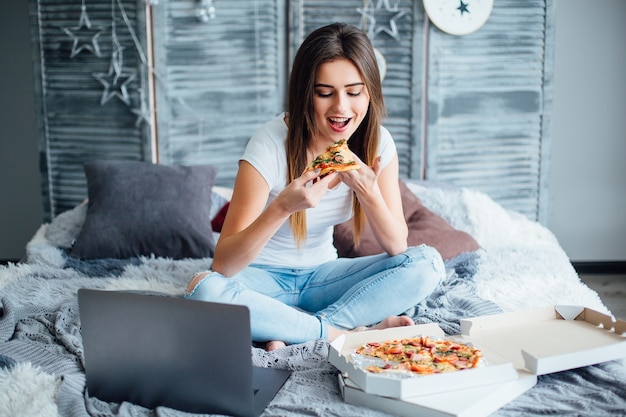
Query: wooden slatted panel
[
  {"x": 74, "y": 126},
  {"x": 217, "y": 81},
  {"x": 488, "y": 102},
  {"x": 402, "y": 86}
]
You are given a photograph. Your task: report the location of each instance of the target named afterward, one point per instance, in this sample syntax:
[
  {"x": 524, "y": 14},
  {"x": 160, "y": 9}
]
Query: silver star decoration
[
  {"x": 368, "y": 21},
  {"x": 370, "y": 13},
  {"x": 143, "y": 112},
  {"x": 84, "y": 37},
  {"x": 115, "y": 81}
]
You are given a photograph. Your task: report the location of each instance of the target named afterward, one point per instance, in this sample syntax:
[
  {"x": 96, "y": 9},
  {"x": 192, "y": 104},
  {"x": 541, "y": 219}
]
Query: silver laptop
[{"x": 157, "y": 350}]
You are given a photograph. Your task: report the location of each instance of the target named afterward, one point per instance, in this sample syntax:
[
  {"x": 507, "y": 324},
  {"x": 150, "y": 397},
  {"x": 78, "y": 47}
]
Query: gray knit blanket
[{"x": 41, "y": 355}]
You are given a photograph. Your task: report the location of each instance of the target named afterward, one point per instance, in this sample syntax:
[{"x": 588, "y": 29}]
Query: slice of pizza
[{"x": 336, "y": 158}]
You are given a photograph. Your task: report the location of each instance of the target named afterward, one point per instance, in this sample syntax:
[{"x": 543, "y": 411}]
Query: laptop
[{"x": 158, "y": 350}]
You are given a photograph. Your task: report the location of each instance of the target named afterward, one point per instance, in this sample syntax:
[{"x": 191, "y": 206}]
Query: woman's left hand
[
  {"x": 362, "y": 180},
  {"x": 378, "y": 192}
]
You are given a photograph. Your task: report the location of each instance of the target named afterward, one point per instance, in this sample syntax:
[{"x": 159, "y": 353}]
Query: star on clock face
[
  {"x": 462, "y": 7},
  {"x": 458, "y": 17}
]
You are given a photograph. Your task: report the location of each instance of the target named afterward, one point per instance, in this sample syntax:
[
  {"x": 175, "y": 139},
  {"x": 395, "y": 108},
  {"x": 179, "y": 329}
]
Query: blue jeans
[{"x": 297, "y": 305}]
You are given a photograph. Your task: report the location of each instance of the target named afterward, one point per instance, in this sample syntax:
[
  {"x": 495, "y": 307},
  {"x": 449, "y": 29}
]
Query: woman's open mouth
[{"x": 339, "y": 124}]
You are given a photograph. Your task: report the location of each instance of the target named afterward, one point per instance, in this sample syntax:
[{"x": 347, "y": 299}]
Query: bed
[{"x": 504, "y": 263}]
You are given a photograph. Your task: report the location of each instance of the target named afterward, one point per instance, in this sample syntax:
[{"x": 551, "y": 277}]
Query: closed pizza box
[
  {"x": 551, "y": 339},
  {"x": 496, "y": 369},
  {"x": 478, "y": 401}
]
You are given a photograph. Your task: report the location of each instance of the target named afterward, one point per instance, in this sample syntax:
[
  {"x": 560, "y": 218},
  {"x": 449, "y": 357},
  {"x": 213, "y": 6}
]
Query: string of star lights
[
  {"x": 371, "y": 17},
  {"x": 383, "y": 10},
  {"x": 84, "y": 37},
  {"x": 116, "y": 80}
]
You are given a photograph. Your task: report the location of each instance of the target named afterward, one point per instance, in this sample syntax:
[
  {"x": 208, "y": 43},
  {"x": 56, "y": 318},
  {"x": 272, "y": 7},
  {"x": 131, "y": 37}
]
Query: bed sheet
[{"x": 520, "y": 265}]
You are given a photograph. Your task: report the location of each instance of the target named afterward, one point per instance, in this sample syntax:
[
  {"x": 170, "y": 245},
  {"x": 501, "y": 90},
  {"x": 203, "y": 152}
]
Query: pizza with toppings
[
  {"x": 421, "y": 355},
  {"x": 336, "y": 158}
]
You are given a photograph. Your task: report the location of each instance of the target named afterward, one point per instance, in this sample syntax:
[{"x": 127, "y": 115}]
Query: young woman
[{"x": 275, "y": 253}]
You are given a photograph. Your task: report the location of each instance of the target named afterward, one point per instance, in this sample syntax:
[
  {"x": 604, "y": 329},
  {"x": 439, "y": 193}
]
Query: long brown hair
[{"x": 328, "y": 43}]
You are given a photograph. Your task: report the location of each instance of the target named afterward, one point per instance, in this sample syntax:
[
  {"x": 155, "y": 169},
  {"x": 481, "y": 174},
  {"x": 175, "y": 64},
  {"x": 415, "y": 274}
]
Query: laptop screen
[{"x": 156, "y": 350}]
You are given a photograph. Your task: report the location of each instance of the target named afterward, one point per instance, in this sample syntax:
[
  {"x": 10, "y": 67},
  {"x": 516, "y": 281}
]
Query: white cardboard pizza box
[
  {"x": 496, "y": 369},
  {"x": 478, "y": 401},
  {"x": 551, "y": 339}
]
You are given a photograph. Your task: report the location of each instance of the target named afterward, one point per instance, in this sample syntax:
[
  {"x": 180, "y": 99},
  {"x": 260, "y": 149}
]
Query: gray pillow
[{"x": 139, "y": 208}]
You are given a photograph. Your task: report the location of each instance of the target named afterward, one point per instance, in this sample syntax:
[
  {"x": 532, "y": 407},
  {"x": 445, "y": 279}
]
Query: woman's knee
[
  {"x": 429, "y": 264},
  {"x": 207, "y": 286},
  {"x": 195, "y": 280}
]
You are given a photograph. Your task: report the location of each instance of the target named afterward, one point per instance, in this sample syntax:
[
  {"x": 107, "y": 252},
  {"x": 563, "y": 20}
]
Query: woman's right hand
[
  {"x": 304, "y": 192},
  {"x": 249, "y": 223}
]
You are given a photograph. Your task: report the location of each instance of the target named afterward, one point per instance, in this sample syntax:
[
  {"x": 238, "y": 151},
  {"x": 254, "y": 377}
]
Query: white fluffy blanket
[{"x": 522, "y": 264}]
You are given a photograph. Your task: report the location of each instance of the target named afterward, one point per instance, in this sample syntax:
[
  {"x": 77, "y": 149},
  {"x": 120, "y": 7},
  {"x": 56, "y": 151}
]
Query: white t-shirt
[{"x": 266, "y": 152}]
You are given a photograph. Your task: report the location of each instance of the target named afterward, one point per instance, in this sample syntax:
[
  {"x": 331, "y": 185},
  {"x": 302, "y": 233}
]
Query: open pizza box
[
  {"x": 551, "y": 339},
  {"x": 538, "y": 341},
  {"x": 497, "y": 369}
]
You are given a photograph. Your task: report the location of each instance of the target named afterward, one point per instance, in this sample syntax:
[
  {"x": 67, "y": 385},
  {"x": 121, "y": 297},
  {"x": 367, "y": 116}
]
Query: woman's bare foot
[
  {"x": 274, "y": 344},
  {"x": 393, "y": 321}
]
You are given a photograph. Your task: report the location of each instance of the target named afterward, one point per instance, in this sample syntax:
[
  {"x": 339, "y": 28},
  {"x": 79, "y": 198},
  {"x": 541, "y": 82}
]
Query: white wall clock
[{"x": 458, "y": 17}]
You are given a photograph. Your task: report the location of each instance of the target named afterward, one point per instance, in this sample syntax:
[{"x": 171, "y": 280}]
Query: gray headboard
[{"x": 168, "y": 81}]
